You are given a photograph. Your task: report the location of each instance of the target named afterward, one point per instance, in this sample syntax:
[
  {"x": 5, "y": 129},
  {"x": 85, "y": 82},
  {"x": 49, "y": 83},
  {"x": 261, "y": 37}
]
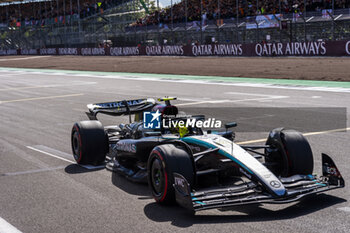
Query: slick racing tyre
[
  {"x": 89, "y": 142},
  {"x": 289, "y": 153},
  {"x": 164, "y": 160}
]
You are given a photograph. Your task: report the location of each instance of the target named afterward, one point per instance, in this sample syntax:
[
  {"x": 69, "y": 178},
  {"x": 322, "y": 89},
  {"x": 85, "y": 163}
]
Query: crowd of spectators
[
  {"x": 210, "y": 9},
  {"x": 59, "y": 10},
  {"x": 55, "y": 10}
]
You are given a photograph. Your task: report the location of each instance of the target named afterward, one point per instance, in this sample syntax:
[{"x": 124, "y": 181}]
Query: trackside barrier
[{"x": 310, "y": 48}]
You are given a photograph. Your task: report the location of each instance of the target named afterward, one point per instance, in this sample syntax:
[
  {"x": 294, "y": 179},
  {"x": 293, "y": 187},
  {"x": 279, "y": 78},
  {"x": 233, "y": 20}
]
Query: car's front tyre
[
  {"x": 163, "y": 161},
  {"x": 289, "y": 153}
]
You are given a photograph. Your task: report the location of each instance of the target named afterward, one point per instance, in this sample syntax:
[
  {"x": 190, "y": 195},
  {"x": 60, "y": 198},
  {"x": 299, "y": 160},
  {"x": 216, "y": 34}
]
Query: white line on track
[
  {"x": 6, "y": 227},
  {"x": 32, "y": 171},
  {"x": 23, "y": 58},
  {"x": 191, "y": 81},
  {"x": 250, "y": 94},
  {"x": 206, "y": 82},
  {"x": 254, "y": 117},
  {"x": 305, "y": 134},
  {"x": 53, "y": 151},
  {"x": 40, "y": 98},
  {"x": 49, "y": 154},
  {"x": 9, "y": 75},
  {"x": 232, "y": 101},
  {"x": 193, "y": 99},
  {"x": 48, "y": 86},
  {"x": 326, "y": 131},
  {"x": 345, "y": 209},
  {"x": 59, "y": 155}
]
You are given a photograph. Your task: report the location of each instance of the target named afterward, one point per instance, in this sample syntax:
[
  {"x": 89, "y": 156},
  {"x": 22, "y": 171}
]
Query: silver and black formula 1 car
[{"x": 200, "y": 169}]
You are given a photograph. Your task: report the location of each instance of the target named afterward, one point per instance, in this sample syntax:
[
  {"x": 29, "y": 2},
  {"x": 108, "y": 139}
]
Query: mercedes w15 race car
[{"x": 199, "y": 169}]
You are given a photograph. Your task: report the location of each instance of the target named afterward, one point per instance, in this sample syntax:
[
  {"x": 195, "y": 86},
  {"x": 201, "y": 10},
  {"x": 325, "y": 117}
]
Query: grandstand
[{"x": 91, "y": 23}]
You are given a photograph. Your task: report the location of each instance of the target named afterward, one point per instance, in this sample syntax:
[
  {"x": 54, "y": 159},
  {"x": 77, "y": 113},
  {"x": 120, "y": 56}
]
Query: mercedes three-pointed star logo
[{"x": 275, "y": 184}]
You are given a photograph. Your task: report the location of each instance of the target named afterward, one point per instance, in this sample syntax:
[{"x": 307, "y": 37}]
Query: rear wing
[{"x": 119, "y": 108}]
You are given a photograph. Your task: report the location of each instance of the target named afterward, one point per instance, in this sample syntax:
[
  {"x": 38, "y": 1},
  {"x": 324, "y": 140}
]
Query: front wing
[{"x": 297, "y": 187}]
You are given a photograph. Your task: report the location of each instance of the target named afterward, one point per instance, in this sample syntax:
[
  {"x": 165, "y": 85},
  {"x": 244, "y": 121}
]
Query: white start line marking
[
  {"x": 344, "y": 209},
  {"x": 6, "y": 227},
  {"x": 32, "y": 171},
  {"x": 60, "y": 155}
]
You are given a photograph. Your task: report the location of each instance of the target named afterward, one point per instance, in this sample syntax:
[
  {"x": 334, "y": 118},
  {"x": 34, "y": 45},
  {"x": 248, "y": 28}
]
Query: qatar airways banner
[
  {"x": 7, "y": 52},
  {"x": 347, "y": 48},
  {"x": 50, "y": 51},
  {"x": 319, "y": 48},
  {"x": 291, "y": 49},
  {"x": 93, "y": 51},
  {"x": 217, "y": 50},
  {"x": 124, "y": 51},
  {"x": 310, "y": 48},
  {"x": 29, "y": 52},
  {"x": 168, "y": 50},
  {"x": 69, "y": 51}
]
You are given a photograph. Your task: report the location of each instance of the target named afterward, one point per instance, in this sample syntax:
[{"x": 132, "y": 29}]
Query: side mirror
[
  {"x": 153, "y": 134},
  {"x": 230, "y": 125},
  {"x": 199, "y": 117}
]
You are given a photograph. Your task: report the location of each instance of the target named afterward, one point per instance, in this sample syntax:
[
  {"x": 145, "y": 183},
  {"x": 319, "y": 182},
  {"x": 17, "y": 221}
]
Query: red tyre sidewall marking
[
  {"x": 165, "y": 174},
  {"x": 80, "y": 152}
]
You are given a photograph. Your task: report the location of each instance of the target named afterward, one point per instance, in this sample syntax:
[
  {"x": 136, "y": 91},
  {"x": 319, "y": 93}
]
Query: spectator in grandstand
[
  {"x": 54, "y": 10},
  {"x": 228, "y": 9}
]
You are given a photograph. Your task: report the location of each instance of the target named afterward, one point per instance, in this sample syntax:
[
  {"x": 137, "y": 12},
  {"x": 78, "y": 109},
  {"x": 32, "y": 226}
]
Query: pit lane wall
[{"x": 317, "y": 48}]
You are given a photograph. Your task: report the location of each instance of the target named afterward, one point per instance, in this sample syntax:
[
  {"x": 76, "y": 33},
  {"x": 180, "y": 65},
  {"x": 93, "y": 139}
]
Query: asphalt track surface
[{"x": 43, "y": 190}]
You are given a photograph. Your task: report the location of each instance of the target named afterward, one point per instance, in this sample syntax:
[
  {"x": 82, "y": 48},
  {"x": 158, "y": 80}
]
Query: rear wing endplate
[{"x": 119, "y": 108}]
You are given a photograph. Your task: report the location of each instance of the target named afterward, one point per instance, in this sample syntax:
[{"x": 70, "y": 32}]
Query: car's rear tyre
[
  {"x": 163, "y": 161},
  {"x": 89, "y": 142},
  {"x": 289, "y": 153}
]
